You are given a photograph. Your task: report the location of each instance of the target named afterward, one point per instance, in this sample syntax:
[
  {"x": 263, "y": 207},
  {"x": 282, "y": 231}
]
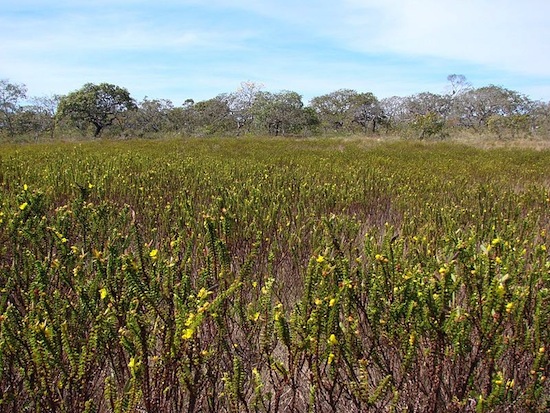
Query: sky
[{"x": 191, "y": 49}]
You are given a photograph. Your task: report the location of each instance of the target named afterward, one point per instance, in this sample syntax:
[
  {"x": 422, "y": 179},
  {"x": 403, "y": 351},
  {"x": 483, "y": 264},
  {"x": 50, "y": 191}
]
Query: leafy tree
[
  {"x": 477, "y": 106},
  {"x": 99, "y": 105},
  {"x": 38, "y": 118},
  {"x": 151, "y": 116},
  {"x": 241, "y": 102},
  {"x": 183, "y": 119},
  {"x": 11, "y": 95},
  {"x": 213, "y": 116},
  {"x": 429, "y": 125},
  {"x": 334, "y": 109},
  {"x": 427, "y": 102},
  {"x": 367, "y": 111},
  {"x": 344, "y": 109},
  {"x": 279, "y": 113},
  {"x": 395, "y": 111},
  {"x": 540, "y": 118}
]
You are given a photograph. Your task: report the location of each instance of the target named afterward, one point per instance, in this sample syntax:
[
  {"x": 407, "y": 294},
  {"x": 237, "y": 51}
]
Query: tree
[
  {"x": 477, "y": 106},
  {"x": 395, "y": 111},
  {"x": 427, "y": 102},
  {"x": 366, "y": 110},
  {"x": 11, "y": 95},
  {"x": 37, "y": 118},
  {"x": 458, "y": 84},
  {"x": 279, "y": 113},
  {"x": 213, "y": 116},
  {"x": 334, "y": 109},
  {"x": 540, "y": 119},
  {"x": 151, "y": 116},
  {"x": 99, "y": 105},
  {"x": 240, "y": 103},
  {"x": 345, "y": 109}
]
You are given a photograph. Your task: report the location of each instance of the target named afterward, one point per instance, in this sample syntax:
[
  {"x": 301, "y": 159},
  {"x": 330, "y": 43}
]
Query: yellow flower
[
  {"x": 190, "y": 319},
  {"x": 320, "y": 259},
  {"x": 509, "y": 307},
  {"x": 23, "y": 206},
  {"x": 103, "y": 293},
  {"x": 132, "y": 363},
  {"x": 203, "y": 293},
  {"x": 154, "y": 254},
  {"x": 332, "y": 302},
  {"x": 187, "y": 334},
  {"x": 332, "y": 340},
  {"x": 330, "y": 358}
]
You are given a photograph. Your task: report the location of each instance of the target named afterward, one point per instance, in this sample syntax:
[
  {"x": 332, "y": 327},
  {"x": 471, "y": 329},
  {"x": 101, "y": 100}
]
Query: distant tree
[
  {"x": 540, "y": 119},
  {"x": 458, "y": 84},
  {"x": 476, "y": 106},
  {"x": 367, "y": 111},
  {"x": 38, "y": 117},
  {"x": 213, "y": 116},
  {"x": 240, "y": 103},
  {"x": 429, "y": 125},
  {"x": 184, "y": 119},
  {"x": 11, "y": 95},
  {"x": 427, "y": 102},
  {"x": 335, "y": 109},
  {"x": 311, "y": 121},
  {"x": 395, "y": 111},
  {"x": 344, "y": 108},
  {"x": 279, "y": 113},
  {"x": 151, "y": 116},
  {"x": 99, "y": 105}
]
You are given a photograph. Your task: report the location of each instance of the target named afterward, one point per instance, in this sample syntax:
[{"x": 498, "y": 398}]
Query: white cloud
[
  {"x": 191, "y": 48},
  {"x": 504, "y": 34}
]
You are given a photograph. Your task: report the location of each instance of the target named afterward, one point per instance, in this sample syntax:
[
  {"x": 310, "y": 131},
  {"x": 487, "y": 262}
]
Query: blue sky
[{"x": 199, "y": 49}]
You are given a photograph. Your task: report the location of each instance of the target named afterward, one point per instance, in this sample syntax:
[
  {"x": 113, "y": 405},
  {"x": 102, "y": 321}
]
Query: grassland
[{"x": 274, "y": 275}]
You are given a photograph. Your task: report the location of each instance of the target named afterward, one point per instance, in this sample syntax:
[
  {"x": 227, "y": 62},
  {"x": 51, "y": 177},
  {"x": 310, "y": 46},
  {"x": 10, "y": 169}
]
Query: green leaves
[
  {"x": 273, "y": 276},
  {"x": 99, "y": 105}
]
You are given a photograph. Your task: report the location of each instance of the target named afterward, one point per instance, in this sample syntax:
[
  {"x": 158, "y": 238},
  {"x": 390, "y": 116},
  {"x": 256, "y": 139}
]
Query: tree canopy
[
  {"x": 100, "y": 105},
  {"x": 492, "y": 110}
]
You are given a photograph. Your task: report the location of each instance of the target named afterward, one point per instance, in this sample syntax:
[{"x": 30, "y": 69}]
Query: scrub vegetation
[
  {"x": 274, "y": 275},
  {"x": 109, "y": 111}
]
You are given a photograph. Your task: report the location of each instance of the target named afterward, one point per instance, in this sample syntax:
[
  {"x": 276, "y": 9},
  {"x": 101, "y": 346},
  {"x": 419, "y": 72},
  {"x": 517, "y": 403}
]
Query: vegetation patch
[{"x": 265, "y": 275}]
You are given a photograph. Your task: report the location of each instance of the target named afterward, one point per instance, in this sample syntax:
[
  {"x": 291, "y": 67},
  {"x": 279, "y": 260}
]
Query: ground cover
[{"x": 274, "y": 275}]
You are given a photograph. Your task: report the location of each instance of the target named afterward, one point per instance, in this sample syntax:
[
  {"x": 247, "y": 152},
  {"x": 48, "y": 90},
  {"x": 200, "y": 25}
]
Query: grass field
[{"x": 274, "y": 275}]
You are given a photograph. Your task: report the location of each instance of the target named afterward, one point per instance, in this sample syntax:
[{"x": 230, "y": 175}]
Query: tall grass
[{"x": 273, "y": 275}]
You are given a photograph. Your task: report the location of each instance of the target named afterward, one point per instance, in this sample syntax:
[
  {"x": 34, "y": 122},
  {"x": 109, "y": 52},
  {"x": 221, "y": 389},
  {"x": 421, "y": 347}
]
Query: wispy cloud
[
  {"x": 504, "y": 34},
  {"x": 191, "y": 48}
]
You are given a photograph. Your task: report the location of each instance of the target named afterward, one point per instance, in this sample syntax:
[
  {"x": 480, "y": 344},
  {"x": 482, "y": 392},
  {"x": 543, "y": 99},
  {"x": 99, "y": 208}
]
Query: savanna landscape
[{"x": 358, "y": 260}]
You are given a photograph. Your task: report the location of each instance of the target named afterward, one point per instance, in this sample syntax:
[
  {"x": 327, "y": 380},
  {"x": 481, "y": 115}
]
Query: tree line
[{"x": 109, "y": 110}]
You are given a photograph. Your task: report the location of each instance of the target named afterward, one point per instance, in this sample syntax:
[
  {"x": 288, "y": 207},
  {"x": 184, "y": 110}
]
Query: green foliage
[
  {"x": 273, "y": 275},
  {"x": 429, "y": 125},
  {"x": 99, "y": 105}
]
